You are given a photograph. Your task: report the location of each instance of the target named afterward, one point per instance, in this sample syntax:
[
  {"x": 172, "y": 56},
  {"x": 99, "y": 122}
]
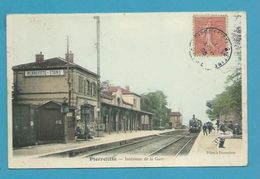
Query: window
[
  {"x": 81, "y": 90},
  {"x": 87, "y": 113},
  {"x": 58, "y": 122},
  {"x": 85, "y": 87},
  {"x": 88, "y": 87},
  {"x": 118, "y": 101},
  {"x": 94, "y": 89},
  {"x": 134, "y": 103}
]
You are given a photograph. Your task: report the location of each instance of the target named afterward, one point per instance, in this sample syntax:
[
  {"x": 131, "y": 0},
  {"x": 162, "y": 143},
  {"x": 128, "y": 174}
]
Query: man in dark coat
[
  {"x": 210, "y": 126},
  {"x": 204, "y": 128},
  {"x": 231, "y": 126}
]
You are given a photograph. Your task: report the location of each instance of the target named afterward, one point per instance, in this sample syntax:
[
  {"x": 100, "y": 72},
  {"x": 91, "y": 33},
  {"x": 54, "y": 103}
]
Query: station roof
[
  {"x": 175, "y": 114},
  {"x": 52, "y": 63},
  {"x": 110, "y": 97},
  {"x": 123, "y": 90},
  {"x": 103, "y": 95},
  {"x": 121, "y": 107}
]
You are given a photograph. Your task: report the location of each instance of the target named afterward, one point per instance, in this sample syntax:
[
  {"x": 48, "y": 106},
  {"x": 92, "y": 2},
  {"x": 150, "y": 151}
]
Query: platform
[
  {"x": 48, "y": 149},
  {"x": 205, "y": 151},
  {"x": 207, "y": 143}
]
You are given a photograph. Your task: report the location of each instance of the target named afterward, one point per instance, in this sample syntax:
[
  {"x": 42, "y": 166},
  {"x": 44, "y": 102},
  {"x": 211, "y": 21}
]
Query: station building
[
  {"x": 121, "y": 110},
  {"x": 175, "y": 120},
  {"x": 49, "y": 85},
  {"x": 54, "y": 79},
  {"x": 52, "y": 97}
]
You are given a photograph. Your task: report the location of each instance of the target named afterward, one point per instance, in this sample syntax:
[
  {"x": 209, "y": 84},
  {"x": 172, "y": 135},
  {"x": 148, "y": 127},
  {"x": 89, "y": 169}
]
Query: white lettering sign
[
  {"x": 69, "y": 114},
  {"x": 44, "y": 73}
]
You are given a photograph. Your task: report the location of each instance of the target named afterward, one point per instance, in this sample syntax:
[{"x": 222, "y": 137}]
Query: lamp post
[
  {"x": 98, "y": 122},
  {"x": 85, "y": 112},
  {"x": 64, "y": 111}
]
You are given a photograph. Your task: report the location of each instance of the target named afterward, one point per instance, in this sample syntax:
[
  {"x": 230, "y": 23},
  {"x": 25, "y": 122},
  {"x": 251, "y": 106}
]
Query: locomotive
[{"x": 195, "y": 125}]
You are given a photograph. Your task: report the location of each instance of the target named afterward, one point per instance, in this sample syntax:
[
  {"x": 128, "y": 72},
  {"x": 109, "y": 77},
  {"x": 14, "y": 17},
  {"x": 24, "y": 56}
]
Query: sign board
[
  {"x": 69, "y": 114},
  {"x": 44, "y": 73}
]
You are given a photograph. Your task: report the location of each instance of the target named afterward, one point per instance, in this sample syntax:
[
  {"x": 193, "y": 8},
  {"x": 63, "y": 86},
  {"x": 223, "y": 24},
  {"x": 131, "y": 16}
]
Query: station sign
[{"x": 44, "y": 73}]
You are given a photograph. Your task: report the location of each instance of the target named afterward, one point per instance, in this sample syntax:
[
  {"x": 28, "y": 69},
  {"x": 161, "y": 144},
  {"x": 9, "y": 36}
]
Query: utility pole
[
  {"x": 68, "y": 72},
  {"x": 98, "y": 75}
]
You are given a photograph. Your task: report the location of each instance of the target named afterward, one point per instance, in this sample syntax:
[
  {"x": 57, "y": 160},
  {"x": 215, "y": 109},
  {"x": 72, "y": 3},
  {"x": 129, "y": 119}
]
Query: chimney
[
  {"x": 69, "y": 57},
  {"x": 39, "y": 57}
]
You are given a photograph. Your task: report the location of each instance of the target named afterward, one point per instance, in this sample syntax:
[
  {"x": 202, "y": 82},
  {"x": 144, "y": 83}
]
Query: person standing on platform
[
  {"x": 210, "y": 127},
  {"x": 231, "y": 126},
  {"x": 204, "y": 128},
  {"x": 218, "y": 124},
  {"x": 224, "y": 132}
]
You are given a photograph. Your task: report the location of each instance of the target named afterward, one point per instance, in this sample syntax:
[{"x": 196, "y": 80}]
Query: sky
[{"x": 147, "y": 51}]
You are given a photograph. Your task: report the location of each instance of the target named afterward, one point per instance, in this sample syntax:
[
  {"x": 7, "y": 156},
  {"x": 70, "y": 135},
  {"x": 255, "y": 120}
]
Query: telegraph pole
[
  {"x": 68, "y": 71},
  {"x": 98, "y": 75}
]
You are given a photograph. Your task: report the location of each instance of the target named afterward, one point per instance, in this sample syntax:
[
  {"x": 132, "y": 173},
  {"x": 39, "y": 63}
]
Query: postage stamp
[
  {"x": 127, "y": 90},
  {"x": 209, "y": 33},
  {"x": 210, "y": 39}
]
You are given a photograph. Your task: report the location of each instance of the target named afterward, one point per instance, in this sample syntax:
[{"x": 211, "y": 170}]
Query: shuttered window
[
  {"x": 81, "y": 85},
  {"x": 89, "y": 88}
]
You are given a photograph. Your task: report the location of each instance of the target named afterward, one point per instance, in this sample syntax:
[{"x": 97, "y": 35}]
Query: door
[
  {"x": 23, "y": 125},
  {"x": 51, "y": 124}
]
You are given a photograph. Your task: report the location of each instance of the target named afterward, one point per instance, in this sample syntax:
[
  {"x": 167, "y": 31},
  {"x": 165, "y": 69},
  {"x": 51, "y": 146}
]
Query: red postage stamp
[{"x": 209, "y": 32}]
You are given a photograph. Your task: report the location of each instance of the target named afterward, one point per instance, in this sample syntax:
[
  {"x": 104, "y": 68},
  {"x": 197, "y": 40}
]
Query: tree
[
  {"x": 105, "y": 85},
  {"x": 156, "y": 103},
  {"x": 230, "y": 100}
]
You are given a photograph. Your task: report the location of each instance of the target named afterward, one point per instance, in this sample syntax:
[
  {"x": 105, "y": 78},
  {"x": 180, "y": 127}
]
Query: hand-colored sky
[{"x": 145, "y": 51}]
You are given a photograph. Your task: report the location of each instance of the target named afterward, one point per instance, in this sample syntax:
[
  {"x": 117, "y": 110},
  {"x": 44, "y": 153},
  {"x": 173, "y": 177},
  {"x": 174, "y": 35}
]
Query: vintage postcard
[{"x": 127, "y": 90}]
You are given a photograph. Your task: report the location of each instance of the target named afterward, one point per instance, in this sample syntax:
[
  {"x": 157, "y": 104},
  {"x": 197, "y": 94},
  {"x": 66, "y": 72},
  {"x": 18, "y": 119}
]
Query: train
[{"x": 195, "y": 125}]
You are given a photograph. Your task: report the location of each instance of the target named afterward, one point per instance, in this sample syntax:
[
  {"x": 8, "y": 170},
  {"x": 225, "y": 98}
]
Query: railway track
[
  {"x": 168, "y": 145},
  {"x": 185, "y": 145},
  {"x": 128, "y": 148},
  {"x": 176, "y": 147},
  {"x": 172, "y": 144},
  {"x": 165, "y": 146}
]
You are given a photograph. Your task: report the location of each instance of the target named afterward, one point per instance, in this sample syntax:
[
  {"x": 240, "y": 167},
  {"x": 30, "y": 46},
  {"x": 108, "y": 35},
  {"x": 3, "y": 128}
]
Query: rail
[
  {"x": 167, "y": 145},
  {"x": 183, "y": 147}
]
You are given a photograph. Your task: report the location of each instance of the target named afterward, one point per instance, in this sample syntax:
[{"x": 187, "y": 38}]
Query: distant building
[
  {"x": 175, "y": 120},
  {"x": 231, "y": 116}
]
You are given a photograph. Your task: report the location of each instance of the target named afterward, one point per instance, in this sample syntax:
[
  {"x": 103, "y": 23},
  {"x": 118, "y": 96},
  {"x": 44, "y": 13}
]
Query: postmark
[{"x": 210, "y": 46}]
